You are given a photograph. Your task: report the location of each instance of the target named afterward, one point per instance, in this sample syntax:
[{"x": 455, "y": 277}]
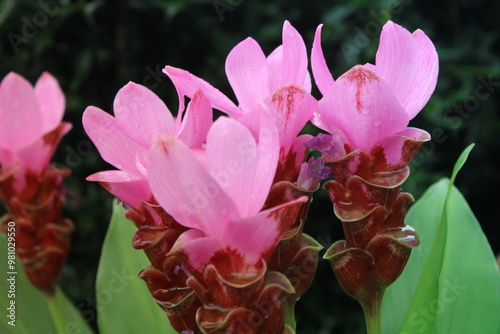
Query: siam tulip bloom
[
  {"x": 220, "y": 198},
  {"x": 366, "y": 113},
  {"x": 123, "y": 141},
  {"x": 279, "y": 83},
  {"x": 382, "y": 98},
  {"x": 30, "y": 188}
]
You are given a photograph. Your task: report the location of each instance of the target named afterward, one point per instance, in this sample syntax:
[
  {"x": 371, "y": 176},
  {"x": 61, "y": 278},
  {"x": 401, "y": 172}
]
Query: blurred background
[{"x": 95, "y": 47}]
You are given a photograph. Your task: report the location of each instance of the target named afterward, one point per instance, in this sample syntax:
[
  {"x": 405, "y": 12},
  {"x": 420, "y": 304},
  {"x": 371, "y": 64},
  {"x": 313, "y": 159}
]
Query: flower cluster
[
  {"x": 31, "y": 188},
  {"x": 220, "y": 205}
]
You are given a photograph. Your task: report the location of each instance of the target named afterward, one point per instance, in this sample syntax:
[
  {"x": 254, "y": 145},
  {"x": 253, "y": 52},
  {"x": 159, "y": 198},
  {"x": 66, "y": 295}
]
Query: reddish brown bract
[{"x": 42, "y": 234}]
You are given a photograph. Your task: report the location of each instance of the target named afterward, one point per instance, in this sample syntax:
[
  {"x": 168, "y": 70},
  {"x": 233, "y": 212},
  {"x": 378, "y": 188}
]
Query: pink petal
[
  {"x": 294, "y": 107},
  {"x": 142, "y": 113},
  {"x": 247, "y": 72},
  {"x": 256, "y": 236},
  {"x": 361, "y": 105},
  {"x": 294, "y": 69},
  {"x": 198, "y": 247},
  {"x": 188, "y": 84},
  {"x": 400, "y": 148},
  {"x": 233, "y": 159},
  {"x": 115, "y": 147},
  {"x": 268, "y": 153},
  {"x": 37, "y": 155},
  {"x": 370, "y": 67},
  {"x": 275, "y": 65},
  {"x": 185, "y": 190},
  {"x": 397, "y": 60},
  {"x": 196, "y": 121},
  {"x": 128, "y": 188},
  {"x": 51, "y": 101},
  {"x": 322, "y": 75},
  {"x": 21, "y": 122},
  {"x": 426, "y": 78}
]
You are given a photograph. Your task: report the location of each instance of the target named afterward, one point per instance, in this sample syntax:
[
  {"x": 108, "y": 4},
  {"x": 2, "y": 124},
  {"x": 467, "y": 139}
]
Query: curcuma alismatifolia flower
[
  {"x": 220, "y": 195},
  {"x": 30, "y": 188},
  {"x": 220, "y": 211},
  {"x": 279, "y": 83},
  {"x": 123, "y": 141},
  {"x": 366, "y": 113}
]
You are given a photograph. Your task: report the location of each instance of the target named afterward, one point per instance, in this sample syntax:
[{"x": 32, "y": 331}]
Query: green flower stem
[
  {"x": 290, "y": 315},
  {"x": 371, "y": 308},
  {"x": 56, "y": 312}
]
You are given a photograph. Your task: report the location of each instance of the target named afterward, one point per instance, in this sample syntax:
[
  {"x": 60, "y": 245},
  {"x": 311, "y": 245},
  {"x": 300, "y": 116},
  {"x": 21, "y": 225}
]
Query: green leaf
[
  {"x": 32, "y": 313},
  {"x": 124, "y": 303},
  {"x": 460, "y": 163},
  {"x": 451, "y": 283}
]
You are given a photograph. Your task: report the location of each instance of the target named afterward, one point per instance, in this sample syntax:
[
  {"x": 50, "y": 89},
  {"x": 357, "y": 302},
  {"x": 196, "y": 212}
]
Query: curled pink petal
[
  {"x": 187, "y": 84},
  {"x": 322, "y": 75},
  {"x": 130, "y": 189},
  {"x": 399, "y": 148},
  {"x": 294, "y": 68},
  {"x": 114, "y": 146},
  {"x": 196, "y": 121}
]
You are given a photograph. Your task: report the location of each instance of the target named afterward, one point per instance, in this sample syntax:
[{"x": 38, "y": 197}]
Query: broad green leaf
[
  {"x": 124, "y": 303},
  {"x": 32, "y": 313},
  {"x": 424, "y": 216},
  {"x": 451, "y": 283}
]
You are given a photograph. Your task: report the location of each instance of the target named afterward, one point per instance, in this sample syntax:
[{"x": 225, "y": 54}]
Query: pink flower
[
  {"x": 31, "y": 189},
  {"x": 140, "y": 118},
  {"x": 221, "y": 196},
  {"x": 371, "y": 102},
  {"x": 367, "y": 111},
  {"x": 278, "y": 83},
  {"x": 31, "y": 126}
]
